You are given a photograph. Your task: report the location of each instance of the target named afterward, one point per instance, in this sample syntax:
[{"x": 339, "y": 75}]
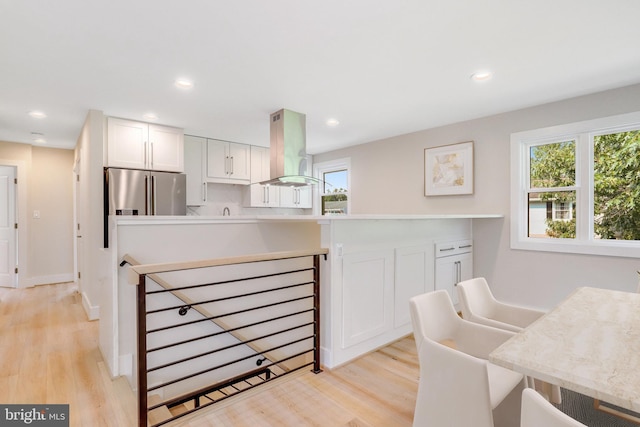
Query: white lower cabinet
[
  {"x": 454, "y": 263},
  {"x": 367, "y": 283},
  {"x": 413, "y": 276},
  {"x": 376, "y": 288}
]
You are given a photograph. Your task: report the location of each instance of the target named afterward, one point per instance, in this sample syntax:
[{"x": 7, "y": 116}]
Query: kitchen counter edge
[{"x": 239, "y": 219}]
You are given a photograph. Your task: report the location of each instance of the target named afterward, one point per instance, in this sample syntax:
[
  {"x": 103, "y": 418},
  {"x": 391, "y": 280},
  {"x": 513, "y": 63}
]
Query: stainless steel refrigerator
[{"x": 141, "y": 192}]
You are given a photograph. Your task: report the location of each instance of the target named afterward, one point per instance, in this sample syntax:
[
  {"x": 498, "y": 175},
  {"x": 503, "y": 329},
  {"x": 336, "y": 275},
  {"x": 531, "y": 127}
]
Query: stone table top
[{"x": 590, "y": 344}]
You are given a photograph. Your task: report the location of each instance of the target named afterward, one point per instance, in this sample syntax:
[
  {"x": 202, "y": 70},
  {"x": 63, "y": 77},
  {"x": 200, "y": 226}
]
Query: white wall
[
  {"x": 45, "y": 184},
  {"x": 388, "y": 177},
  {"x": 89, "y": 155}
]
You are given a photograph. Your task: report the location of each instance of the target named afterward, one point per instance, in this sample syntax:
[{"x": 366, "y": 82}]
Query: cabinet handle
[
  {"x": 458, "y": 271},
  {"x": 464, "y": 247},
  {"x": 151, "y": 154},
  {"x": 145, "y": 149},
  {"x": 446, "y": 249},
  {"x": 231, "y": 173},
  {"x": 204, "y": 191}
]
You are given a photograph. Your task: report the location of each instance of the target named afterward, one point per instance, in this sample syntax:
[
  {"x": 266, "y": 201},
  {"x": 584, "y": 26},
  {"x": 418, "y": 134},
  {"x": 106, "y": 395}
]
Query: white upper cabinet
[
  {"x": 296, "y": 197},
  {"x": 261, "y": 195},
  {"x": 260, "y": 164},
  {"x": 195, "y": 164},
  {"x": 137, "y": 145},
  {"x": 228, "y": 162}
]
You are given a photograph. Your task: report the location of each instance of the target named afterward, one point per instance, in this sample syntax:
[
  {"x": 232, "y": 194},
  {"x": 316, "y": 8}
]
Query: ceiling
[{"x": 382, "y": 68}]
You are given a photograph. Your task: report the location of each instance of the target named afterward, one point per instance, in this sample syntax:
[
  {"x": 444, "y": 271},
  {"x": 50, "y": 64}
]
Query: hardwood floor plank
[{"x": 49, "y": 353}]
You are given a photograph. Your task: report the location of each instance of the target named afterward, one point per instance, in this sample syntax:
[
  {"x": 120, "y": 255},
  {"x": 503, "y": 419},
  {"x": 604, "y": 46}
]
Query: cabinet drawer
[{"x": 453, "y": 247}]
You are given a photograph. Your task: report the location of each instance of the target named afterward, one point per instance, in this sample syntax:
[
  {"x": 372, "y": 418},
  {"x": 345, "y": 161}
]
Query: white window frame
[
  {"x": 319, "y": 169},
  {"x": 582, "y": 133}
]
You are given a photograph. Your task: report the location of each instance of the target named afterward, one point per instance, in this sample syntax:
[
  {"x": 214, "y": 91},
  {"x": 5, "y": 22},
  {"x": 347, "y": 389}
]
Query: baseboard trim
[
  {"x": 92, "y": 311},
  {"x": 48, "y": 280}
]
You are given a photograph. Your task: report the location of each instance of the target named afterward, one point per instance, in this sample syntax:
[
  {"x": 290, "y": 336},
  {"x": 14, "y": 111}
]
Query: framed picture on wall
[{"x": 448, "y": 169}]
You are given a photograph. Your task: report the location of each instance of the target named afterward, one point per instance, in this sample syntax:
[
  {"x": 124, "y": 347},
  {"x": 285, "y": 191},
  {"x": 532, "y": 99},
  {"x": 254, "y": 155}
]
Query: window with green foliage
[
  {"x": 552, "y": 181},
  {"x": 333, "y": 192},
  {"x": 576, "y": 187},
  {"x": 616, "y": 185}
]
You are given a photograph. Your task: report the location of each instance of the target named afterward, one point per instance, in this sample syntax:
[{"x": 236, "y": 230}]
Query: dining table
[{"x": 589, "y": 343}]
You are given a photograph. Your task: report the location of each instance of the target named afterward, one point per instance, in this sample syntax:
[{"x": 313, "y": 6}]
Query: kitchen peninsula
[{"x": 375, "y": 263}]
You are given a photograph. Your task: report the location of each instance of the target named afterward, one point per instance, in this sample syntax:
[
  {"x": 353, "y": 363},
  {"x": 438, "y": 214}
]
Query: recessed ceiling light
[
  {"x": 183, "y": 83},
  {"x": 481, "y": 76},
  {"x": 150, "y": 116},
  {"x": 333, "y": 122},
  {"x": 37, "y": 114}
]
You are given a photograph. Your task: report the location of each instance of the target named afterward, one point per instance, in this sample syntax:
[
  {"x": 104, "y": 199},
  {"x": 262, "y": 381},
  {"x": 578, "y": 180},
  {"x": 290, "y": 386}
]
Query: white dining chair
[
  {"x": 458, "y": 386},
  {"x": 538, "y": 412},
  {"x": 478, "y": 305}
]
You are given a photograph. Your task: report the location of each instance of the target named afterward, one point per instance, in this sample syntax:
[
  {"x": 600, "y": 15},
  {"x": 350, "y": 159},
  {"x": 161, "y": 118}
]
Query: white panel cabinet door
[
  {"x": 228, "y": 162},
  {"x": 451, "y": 270},
  {"x": 126, "y": 143},
  {"x": 195, "y": 158},
  {"x": 216, "y": 159},
  {"x": 262, "y": 196},
  {"x": 260, "y": 164},
  {"x": 413, "y": 276},
  {"x": 240, "y": 162},
  {"x": 367, "y": 290},
  {"x": 138, "y": 145},
  {"x": 166, "y": 149},
  {"x": 296, "y": 197}
]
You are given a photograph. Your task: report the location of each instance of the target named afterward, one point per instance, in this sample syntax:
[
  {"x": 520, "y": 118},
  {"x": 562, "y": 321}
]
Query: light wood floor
[{"x": 49, "y": 354}]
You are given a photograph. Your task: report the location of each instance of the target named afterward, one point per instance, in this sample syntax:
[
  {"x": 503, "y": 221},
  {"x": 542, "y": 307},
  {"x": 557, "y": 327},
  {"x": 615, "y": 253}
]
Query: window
[
  {"x": 333, "y": 192},
  {"x": 576, "y": 187}
]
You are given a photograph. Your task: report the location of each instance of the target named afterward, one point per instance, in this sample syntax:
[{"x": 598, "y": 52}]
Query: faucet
[{"x": 226, "y": 212}]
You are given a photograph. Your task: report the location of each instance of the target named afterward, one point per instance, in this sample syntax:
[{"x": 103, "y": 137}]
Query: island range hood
[{"x": 288, "y": 150}]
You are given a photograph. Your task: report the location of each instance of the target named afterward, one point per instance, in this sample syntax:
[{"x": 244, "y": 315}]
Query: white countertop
[
  {"x": 194, "y": 219},
  {"x": 590, "y": 344}
]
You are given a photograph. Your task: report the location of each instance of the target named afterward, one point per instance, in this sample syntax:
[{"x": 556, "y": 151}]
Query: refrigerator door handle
[
  {"x": 153, "y": 195},
  {"x": 147, "y": 196}
]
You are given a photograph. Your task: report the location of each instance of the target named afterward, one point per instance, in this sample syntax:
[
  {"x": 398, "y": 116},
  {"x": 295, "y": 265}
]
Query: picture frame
[{"x": 448, "y": 169}]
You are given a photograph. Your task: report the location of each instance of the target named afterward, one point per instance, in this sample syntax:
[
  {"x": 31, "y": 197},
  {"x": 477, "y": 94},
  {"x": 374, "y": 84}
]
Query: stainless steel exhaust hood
[{"x": 289, "y": 150}]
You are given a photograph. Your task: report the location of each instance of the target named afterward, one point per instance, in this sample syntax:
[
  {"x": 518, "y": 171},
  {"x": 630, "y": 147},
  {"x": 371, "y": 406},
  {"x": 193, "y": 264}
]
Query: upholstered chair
[
  {"x": 458, "y": 386},
  {"x": 478, "y": 305},
  {"x": 538, "y": 412}
]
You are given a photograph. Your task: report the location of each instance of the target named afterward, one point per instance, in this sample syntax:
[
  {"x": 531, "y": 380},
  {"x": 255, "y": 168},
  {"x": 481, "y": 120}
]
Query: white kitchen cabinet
[
  {"x": 296, "y": 197},
  {"x": 413, "y": 276},
  {"x": 138, "y": 145},
  {"x": 261, "y": 196},
  {"x": 228, "y": 162},
  {"x": 195, "y": 164},
  {"x": 454, "y": 263},
  {"x": 257, "y": 195},
  {"x": 367, "y": 290}
]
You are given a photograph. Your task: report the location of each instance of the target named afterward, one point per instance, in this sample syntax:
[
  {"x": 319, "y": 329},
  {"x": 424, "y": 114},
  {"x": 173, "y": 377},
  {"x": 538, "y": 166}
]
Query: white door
[
  {"x": 79, "y": 245},
  {"x": 8, "y": 230}
]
